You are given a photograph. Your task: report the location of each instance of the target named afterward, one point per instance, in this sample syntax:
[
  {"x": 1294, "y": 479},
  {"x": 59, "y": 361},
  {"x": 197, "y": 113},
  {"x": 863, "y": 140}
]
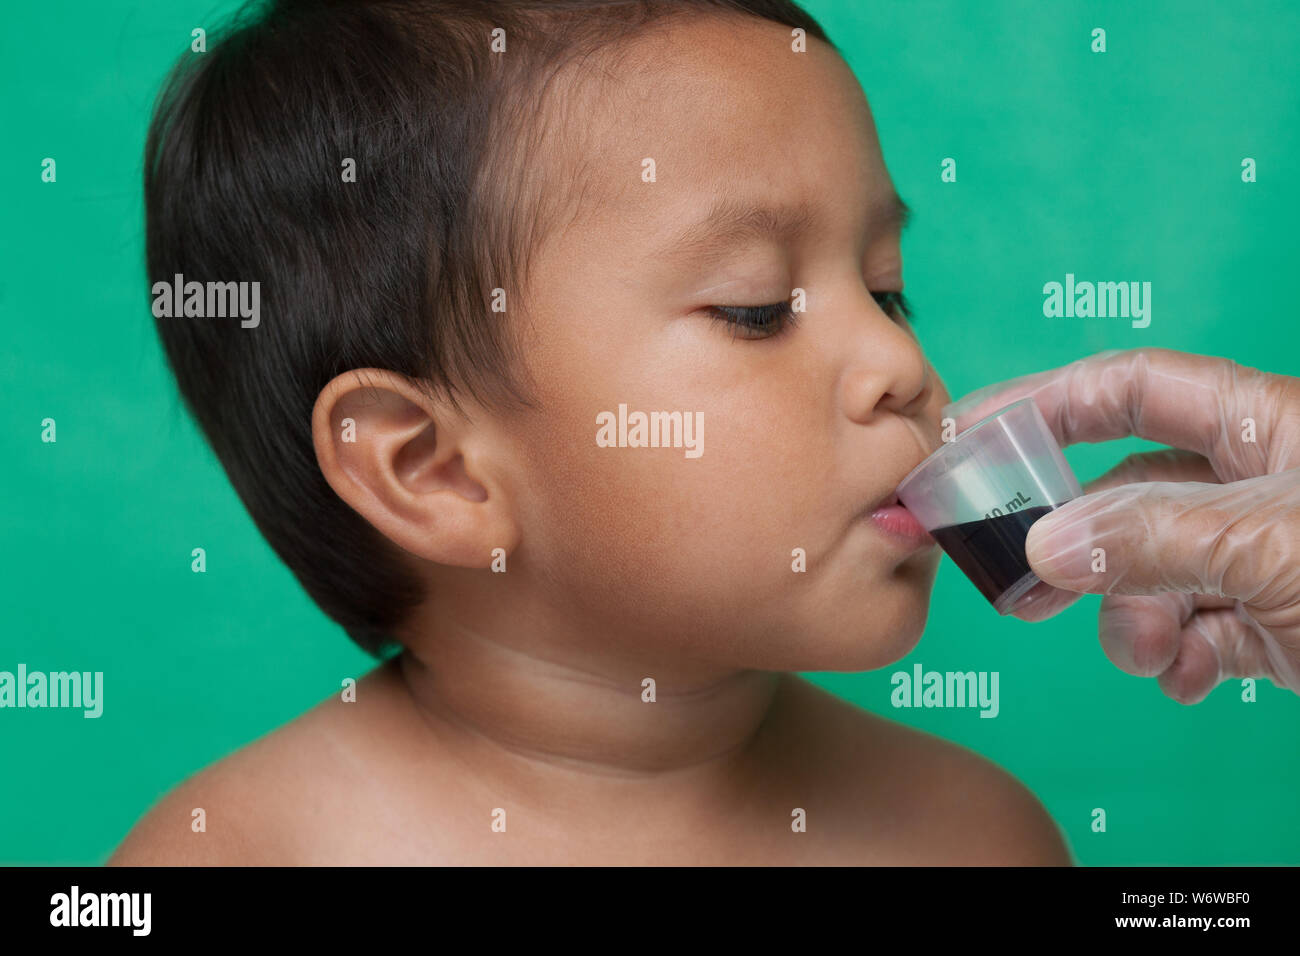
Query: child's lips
[
  {"x": 900, "y": 524},
  {"x": 892, "y": 517}
]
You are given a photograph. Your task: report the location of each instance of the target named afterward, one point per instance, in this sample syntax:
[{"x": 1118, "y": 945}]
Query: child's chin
[
  {"x": 871, "y": 651},
  {"x": 869, "y": 644}
]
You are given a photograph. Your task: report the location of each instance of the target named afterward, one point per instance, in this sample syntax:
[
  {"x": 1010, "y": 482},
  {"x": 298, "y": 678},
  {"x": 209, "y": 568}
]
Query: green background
[{"x": 1116, "y": 166}]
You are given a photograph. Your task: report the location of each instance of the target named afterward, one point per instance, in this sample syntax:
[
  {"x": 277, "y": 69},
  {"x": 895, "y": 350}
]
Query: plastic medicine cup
[{"x": 978, "y": 494}]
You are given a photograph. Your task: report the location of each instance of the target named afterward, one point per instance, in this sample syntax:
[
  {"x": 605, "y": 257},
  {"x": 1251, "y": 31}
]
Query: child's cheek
[{"x": 732, "y": 499}]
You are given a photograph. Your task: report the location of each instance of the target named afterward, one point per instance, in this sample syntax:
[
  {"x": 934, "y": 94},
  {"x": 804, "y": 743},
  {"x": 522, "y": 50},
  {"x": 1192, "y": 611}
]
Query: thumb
[{"x": 1230, "y": 540}]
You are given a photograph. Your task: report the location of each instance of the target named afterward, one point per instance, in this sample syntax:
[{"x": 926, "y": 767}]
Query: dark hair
[{"x": 243, "y": 181}]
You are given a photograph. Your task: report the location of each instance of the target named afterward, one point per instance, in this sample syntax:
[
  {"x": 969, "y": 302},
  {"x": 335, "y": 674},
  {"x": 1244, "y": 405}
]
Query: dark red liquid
[{"x": 991, "y": 551}]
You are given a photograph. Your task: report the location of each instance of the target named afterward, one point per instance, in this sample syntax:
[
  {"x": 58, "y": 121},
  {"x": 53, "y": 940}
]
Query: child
[{"x": 513, "y": 258}]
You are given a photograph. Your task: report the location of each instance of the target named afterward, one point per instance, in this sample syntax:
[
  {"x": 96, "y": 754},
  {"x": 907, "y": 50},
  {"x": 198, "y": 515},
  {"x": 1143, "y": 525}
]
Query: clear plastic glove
[{"x": 1200, "y": 544}]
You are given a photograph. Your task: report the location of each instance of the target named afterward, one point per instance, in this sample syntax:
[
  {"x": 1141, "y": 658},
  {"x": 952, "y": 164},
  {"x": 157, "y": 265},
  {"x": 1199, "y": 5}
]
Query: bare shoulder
[
  {"x": 276, "y": 800},
  {"x": 934, "y": 801},
  {"x": 976, "y": 812},
  {"x": 209, "y": 819}
]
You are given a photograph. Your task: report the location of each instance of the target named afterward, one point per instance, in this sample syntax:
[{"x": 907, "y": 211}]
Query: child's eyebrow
[{"x": 731, "y": 221}]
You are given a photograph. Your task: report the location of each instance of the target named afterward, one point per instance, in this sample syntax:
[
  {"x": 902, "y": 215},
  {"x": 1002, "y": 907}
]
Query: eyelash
[{"x": 766, "y": 321}]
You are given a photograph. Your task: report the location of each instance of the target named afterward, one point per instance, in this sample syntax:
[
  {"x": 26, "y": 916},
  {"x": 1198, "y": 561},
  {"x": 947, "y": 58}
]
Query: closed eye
[
  {"x": 895, "y": 304},
  {"x": 766, "y": 321},
  {"x": 755, "y": 322}
]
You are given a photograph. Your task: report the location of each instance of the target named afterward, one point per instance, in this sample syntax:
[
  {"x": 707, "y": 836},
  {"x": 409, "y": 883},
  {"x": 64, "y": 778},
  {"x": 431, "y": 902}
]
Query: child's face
[{"x": 804, "y": 431}]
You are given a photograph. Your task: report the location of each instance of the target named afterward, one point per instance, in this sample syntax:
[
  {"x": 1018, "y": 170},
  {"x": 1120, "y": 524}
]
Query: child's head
[{"x": 488, "y": 234}]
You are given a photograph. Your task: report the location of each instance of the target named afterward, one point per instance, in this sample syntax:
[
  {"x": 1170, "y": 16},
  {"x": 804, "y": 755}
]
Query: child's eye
[
  {"x": 765, "y": 321},
  {"x": 755, "y": 322},
  {"x": 895, "y": 304}
]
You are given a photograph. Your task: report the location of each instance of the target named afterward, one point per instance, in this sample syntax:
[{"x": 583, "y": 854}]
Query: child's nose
[{"x": 884, "y": 367}]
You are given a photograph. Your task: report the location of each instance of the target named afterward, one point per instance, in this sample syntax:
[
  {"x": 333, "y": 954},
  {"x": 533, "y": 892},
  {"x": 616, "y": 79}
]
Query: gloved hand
[{"x": 1201, "y": 543}]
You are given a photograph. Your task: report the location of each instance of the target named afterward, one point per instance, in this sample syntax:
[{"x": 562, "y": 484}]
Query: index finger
[{"x": 1194, "y": 402}]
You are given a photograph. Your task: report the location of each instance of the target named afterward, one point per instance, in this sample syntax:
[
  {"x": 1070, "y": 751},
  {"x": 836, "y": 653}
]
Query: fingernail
[{"x": 1059, "y": 549}]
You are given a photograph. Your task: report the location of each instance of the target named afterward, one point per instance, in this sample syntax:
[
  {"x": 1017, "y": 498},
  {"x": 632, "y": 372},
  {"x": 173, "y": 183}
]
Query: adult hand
[{"x": 1199, "y": 545}]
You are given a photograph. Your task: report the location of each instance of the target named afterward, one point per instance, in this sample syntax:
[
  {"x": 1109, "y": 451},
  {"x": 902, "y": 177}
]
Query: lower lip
[{"x": 899, "y": 523}]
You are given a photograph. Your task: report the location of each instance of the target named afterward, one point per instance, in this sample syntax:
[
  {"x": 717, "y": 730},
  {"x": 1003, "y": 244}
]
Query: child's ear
[{"x": 414, "y": 467}]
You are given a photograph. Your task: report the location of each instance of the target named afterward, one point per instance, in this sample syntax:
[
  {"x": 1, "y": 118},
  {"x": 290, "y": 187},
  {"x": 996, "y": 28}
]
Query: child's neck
[{"x": 541, "y": 722}]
